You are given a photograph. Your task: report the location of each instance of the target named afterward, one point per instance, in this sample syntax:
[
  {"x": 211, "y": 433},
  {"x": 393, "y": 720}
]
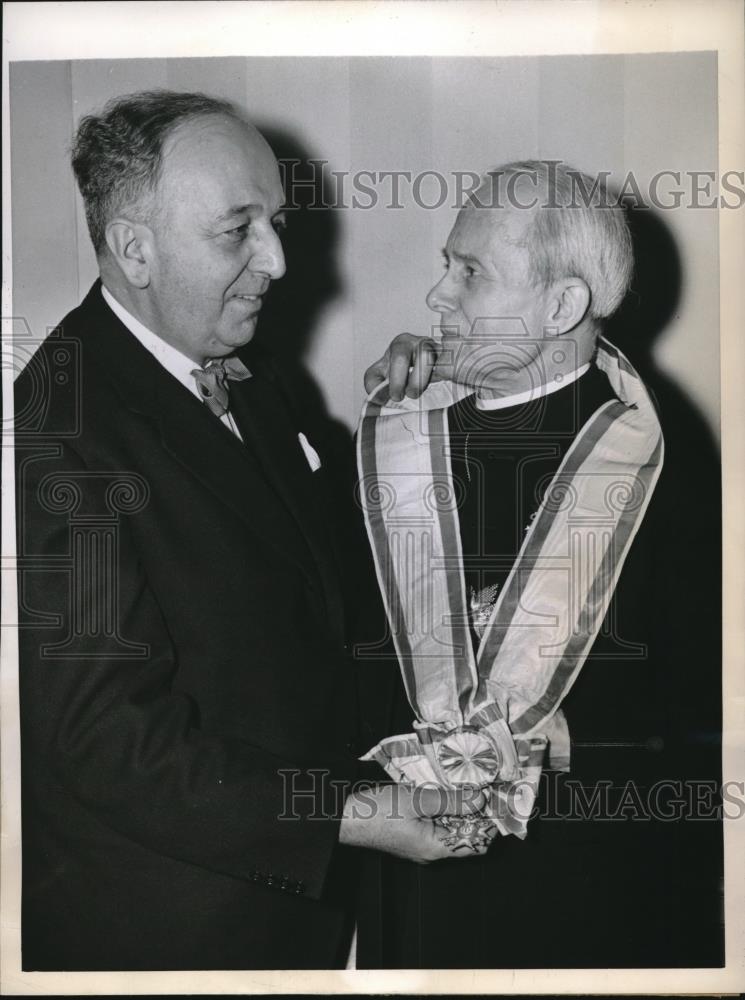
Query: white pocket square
[{"x": 310, "y": 452}]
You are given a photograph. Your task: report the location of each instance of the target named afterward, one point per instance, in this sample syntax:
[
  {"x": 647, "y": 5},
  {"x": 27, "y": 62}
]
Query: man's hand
[
  {"x": 399, "y": 820},
  {"x": 409, "y": 364}
]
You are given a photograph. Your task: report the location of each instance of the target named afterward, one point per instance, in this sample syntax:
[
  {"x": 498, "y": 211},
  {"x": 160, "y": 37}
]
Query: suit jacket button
[
  {"x": 270, "y": 880},
  {"x": 299, "y": 888},
  {"x": 255, "y": 875}
]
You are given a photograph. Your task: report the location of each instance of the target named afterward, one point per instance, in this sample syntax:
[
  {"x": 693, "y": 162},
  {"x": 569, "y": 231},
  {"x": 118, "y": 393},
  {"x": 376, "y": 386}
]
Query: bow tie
[{"x": 212, "y": 382}]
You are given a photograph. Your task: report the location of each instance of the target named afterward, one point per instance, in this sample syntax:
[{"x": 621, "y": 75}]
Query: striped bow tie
[{"x": 212, "y": 382}]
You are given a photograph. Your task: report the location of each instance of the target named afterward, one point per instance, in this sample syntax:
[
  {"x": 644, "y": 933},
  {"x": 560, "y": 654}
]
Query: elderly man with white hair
[{"x": 506, "y": 472}]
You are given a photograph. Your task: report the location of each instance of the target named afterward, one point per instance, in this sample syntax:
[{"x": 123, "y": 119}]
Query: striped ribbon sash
[{"x": 488, "y": 719}]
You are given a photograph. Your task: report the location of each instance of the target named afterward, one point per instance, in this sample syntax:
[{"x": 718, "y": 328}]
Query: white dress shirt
[
  {"x": 535, "y": 392},
  {"x": 174, "y": 362}
]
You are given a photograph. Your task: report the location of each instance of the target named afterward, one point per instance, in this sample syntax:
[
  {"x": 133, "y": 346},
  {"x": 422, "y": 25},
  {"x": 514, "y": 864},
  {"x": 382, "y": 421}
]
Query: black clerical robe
[{"x": 602, "y": 880}]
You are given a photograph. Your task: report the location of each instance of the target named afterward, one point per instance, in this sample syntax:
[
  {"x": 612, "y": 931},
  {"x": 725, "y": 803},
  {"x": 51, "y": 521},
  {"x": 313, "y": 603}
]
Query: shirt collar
[
  {"x": 176, "y": 363},
  {"x": 502, "y": 402}
]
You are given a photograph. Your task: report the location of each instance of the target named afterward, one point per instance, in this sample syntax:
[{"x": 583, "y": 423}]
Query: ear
[
  {"x": 567, "y": 305},
  {"x": 130, "y": 244}
]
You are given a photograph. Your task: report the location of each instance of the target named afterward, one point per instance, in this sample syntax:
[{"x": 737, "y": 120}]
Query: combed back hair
[
  {"x": 579, "y": 228},
  {"x": 117, "y": 154}
]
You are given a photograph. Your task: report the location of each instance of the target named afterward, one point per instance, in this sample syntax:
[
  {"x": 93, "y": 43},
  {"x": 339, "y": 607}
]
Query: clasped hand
[{"x": 418, "y": 824}]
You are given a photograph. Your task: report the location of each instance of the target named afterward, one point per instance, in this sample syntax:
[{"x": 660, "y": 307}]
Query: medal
[
  {"x": 481, "y": 606},
  {"x": 467, "y": 833},
  {"x": 469, "y": 756}
]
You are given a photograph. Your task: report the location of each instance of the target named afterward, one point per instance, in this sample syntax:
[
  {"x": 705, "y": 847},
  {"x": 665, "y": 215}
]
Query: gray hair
[
  {"x": 117, "y": 154},
  {"x": 578, "y": 229}
]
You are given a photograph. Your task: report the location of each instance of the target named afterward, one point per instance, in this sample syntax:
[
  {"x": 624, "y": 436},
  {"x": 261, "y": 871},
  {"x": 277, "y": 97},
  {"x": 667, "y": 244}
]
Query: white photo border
[{"x": 46, "y": 31}]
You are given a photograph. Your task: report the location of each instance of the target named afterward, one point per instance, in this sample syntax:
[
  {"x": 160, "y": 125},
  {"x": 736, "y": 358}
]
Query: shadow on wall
[
  {"x": 292, "y": 310},
  {"x": 310, "y": 242},
  {"x": 690, "y": 491},
  {"x": 290, "y": 320},
  {"x": 690, "y": 484},
  {"x": 687, "y": 525}
]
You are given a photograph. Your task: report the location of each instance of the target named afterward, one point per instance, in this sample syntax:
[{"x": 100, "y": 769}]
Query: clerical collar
[
  {"x": 175, "y": 363},
  {"x": 502, "y": 402}
]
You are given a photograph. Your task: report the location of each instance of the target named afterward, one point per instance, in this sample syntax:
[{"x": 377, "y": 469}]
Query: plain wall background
[{"x": 366, "y": 271}]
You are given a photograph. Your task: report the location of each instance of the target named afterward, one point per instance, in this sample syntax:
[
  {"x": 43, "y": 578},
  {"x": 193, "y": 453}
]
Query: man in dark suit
[
  {"x": 617, "y": 868},
  {"x": 187, "y": 702}
]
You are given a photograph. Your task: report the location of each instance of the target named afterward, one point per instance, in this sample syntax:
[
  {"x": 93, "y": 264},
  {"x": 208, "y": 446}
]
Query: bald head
[
  {"x": 118, "y": 154},
  {"x": 206, "y": 161},
  {"x": 187, "y": 229}
]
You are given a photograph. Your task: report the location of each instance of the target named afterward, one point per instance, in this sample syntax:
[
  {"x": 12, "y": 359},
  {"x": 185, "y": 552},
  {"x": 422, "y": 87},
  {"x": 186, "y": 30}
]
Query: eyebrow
[
  {"x": 236, "y": 210},
  {"x": 232, "y": 212},
  {"x": 464, "y": 258}
]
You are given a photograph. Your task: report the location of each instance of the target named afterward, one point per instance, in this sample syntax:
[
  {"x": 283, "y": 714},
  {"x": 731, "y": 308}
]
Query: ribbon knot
[{"x": 212, "y": 382}]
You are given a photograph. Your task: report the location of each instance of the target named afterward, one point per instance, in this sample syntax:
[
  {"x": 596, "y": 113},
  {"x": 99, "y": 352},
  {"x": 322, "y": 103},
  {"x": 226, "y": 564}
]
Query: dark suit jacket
[{"x": 182, "y": 663}]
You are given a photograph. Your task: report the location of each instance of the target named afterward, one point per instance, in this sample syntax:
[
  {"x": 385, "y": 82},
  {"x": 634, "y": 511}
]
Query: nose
[
  {"x": 440, "y": 298},
  {"x": 269, "y": 257}
]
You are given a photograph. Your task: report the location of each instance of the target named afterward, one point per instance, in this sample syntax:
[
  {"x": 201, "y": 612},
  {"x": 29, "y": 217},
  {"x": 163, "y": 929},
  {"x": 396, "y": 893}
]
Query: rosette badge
[{"x": 468, "y": 756}]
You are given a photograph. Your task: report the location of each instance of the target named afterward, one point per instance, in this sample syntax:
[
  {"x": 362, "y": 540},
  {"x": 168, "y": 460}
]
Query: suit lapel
[
  {"x": 264, "y": 421},
  {"x": 215, "y": 456},
  {"x": 194, "y": 437}
]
